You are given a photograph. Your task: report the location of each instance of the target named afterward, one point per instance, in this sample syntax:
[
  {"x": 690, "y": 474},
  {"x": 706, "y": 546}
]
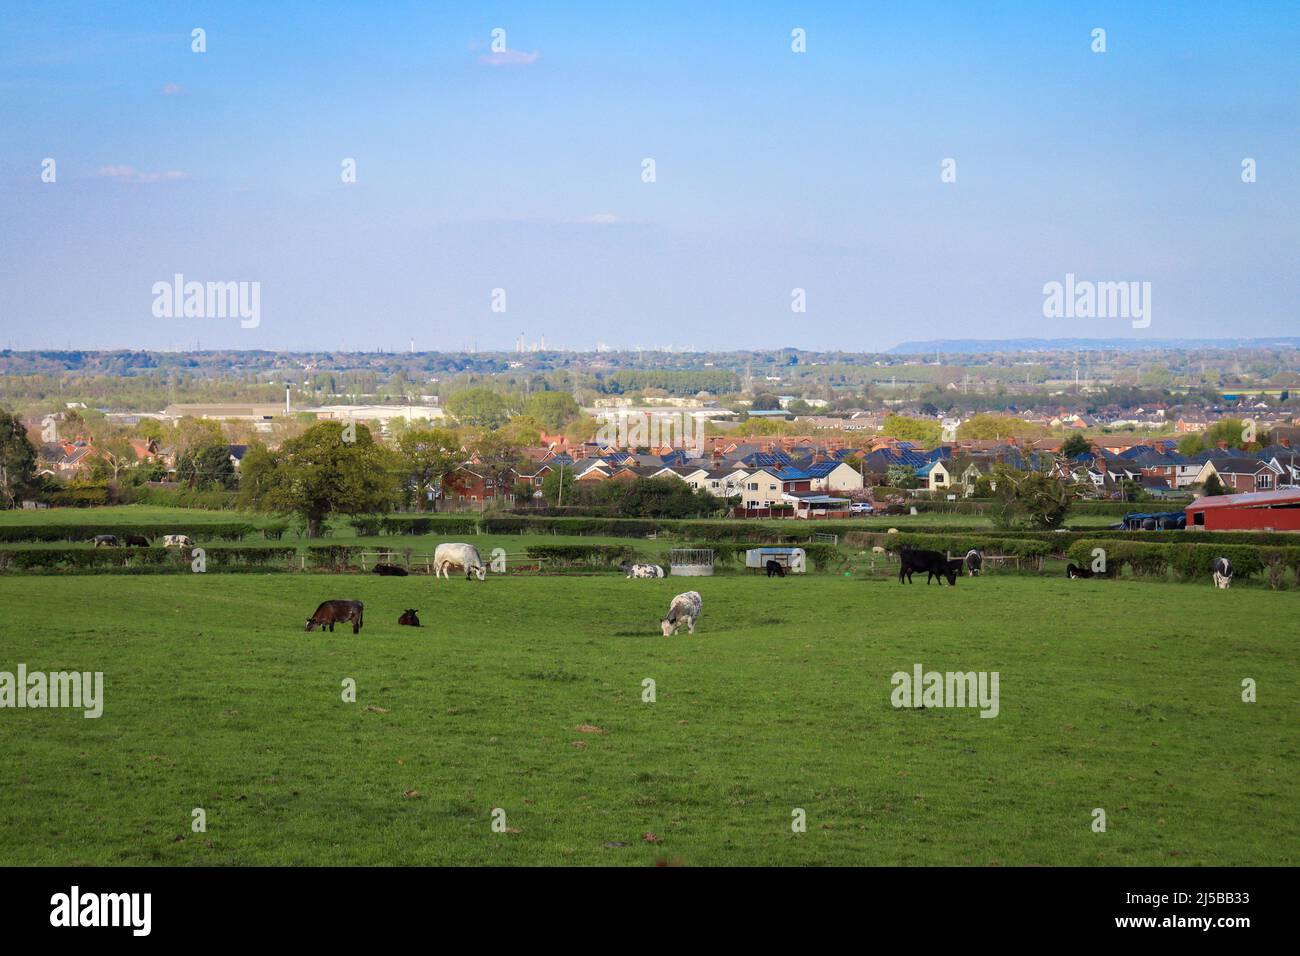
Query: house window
[{"x": 1264, "y": 481}]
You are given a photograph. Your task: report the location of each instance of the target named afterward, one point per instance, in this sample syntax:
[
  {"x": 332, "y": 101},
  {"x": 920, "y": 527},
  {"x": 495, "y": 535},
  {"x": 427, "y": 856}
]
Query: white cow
[
  {"x": 461, "y": 556},
  {"x": 643, "y": 571},
  {"x": 685, "y": 609},
  {"x": 177, "y": 541}
]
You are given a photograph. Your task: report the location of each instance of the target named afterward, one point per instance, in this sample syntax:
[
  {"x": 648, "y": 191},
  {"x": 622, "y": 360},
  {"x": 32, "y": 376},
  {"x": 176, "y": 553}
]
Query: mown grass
[{"x": 1119, "y": 695}]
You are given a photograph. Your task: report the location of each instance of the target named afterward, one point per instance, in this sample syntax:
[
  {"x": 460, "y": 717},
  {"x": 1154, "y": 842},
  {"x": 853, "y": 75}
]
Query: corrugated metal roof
[{"x": 1247, "y": 500}]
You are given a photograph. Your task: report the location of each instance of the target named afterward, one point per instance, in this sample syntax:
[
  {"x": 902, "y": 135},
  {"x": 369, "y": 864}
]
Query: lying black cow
[
  {"x": 135, "y": 541},
  {"x": 1074, "y": 571},
  {"x": 336, "y": 612},
  {"x": 409, "y": 618},
  {"x": 390, "y": 570},
  {"x": 774, "y": 567},
  {"x": 933, "y": 563},
  {"x": 974, "y": 562}
]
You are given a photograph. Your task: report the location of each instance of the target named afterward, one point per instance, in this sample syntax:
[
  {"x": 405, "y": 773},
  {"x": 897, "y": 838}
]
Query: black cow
[
  {"x": 1074, "y": 571},
  {"x": 391, "y": 570},
  {"x": 135, "y": 541},
  {"x": 774, "y": 567},
  {"x": 974, "y": 562},
  {"x": 409, "y": 618},
  {"x": 1221, "y": 569},
  {"x": 933, "y": 563},
  {"x": 340, "y": 612}
]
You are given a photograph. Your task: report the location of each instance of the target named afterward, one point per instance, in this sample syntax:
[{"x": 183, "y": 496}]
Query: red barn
[{"x": 1256, "y": 511}]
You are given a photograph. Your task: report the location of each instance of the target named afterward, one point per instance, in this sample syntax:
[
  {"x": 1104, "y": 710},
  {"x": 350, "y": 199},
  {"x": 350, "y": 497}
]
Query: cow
[
  {"x": 135, "y": 541},
  {"x": 464, "y": 556},
  {"x": 974, "y": 562},
  {"x": 933, "y": 563},
  {"x": 641, "y": 570},
  {"x": 177, "y": 541},
  {"x": 390, "y": 570},
  {"x": 1073, "y": 571},
  {"x": 774, "y": 568},
  {"x": 1221, "y": 569},
  {"x": 409, "y": 618},
  {"x": 336, "y": 612},
  {"x": 104, "y": 541},
  {"x": 685, "y": 609}
]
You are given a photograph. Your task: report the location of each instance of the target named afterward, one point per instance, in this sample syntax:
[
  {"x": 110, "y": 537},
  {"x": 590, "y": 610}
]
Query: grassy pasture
[{"x": 1120, "y": 695}]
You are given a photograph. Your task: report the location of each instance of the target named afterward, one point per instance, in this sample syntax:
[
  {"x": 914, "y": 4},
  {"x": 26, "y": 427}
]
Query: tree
[
  {"x": 552, "y": 410},
  {"x": 901, "y": 476},
  {"x": 496, "y": 456},
  {"x": 17, "y": 457},
  {"x": 765, "y": 402},
  {"x": 428, "y": 454},
  {"x": 1030, "y": 498},
  {"x": 1075, "y": 445},
  {"x": 116, "y": 450},
  {"x": 1190, "y": 444},
  {"x": 1213, "y": 486},
  {"x": 999, "y": 426},
  {"x": 319, "y": 474},
  {"x": 558, "y": 485},
  {"x": 480, "y": 407},
  {"x": 207, "y": 465},
  {"x": 912, "y": 429}
]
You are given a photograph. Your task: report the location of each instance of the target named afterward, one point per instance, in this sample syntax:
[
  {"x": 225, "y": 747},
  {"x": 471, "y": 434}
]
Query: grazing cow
[
  {"x": 933, "y": 563},
  {"x": 774, "y": 567},
  {"x": 135, "y": 541},
  {"x": 685, "y": 609},
  {"x": 974, "y": 562},
  {"x": 641, "y": 570},
  {"x": 105, "y": 541},
  {"x": 409, "y": 618},
  {"x": 1221, "y": 568},
  {"x": 390, "y": 570},
  {"x": 336, "y": 612},
  {"x": 177, "y": 541},
  {"x": 464, "y": 556},
  {"x": 1073, "y": 571}
]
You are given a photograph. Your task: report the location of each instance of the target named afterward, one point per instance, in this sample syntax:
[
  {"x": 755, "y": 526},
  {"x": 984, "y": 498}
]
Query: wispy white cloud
[
  {"x": 172, "y": 89},
  {"x": 600, "y": 219},
  {"x": 129, "y": 174},
  {"x": 510, "y": 58}
]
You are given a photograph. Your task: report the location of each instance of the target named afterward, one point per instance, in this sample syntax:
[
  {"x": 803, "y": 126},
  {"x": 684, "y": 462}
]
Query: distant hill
[{"x": 1083, "y": 345}]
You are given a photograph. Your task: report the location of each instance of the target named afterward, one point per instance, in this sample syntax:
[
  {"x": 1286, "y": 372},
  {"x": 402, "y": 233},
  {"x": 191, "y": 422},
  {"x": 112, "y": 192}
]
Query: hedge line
[
  {"x": 223, "y": 531},
  {"x": 1189, "y": 561},
  {"x": 821, "y": 557},
  {"x": 141, "y": 559},
  {"x": 958, "y": 543}
]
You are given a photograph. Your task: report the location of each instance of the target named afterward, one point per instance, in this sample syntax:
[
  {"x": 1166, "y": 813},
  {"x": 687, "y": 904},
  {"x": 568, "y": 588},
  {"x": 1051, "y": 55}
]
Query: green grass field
[{"x": 1119, "y": 695}]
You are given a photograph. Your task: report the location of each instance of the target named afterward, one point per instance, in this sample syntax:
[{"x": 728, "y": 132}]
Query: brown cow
[
  {"x": 332, "y": 612},
  {"x": 409, "y": 618}
]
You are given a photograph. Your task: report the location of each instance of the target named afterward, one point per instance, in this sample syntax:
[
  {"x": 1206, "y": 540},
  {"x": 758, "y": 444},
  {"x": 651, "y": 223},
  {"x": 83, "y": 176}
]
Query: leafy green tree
[
  {"x": 207, "y": 465},
  {"x": 1213, "y": 486},
  {"x": 17, "y": 457},
  {"x": 428, "y": 454},
  {"x": 319, "y": 474},
  {"x": 765, "y": 402},
  {"x": 553, "y": 491},
  {"x": 917, "y": 430},
  {"x": 1030, "y": 498},
  {"x": 480, "y": 407},
  {"x": 496, "y": 454},
  {"x": 552, "y": 410}
]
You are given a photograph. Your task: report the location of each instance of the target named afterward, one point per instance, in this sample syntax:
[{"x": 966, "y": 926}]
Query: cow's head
[
  {"x": 668, "y": 626},
  {"x": 481, "y": 573},
  {"x": 311, "y": 622}
]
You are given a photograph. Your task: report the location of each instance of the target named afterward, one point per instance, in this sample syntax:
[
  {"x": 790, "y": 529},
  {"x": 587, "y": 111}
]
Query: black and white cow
[
  {"x": 685, "y": 609},
  {"x": 974, "y": 562},
  {"x": 1221, "y": 569},
  {"x": 642, "y": 570}
]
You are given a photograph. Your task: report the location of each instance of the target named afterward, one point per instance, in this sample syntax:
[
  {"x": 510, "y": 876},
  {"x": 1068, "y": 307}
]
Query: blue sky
[{"x": 775, "y": 171}]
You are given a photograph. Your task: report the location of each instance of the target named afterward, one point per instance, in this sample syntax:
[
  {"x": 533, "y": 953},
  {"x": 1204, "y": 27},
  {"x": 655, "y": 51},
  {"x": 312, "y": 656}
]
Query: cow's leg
[{"x": 690, "y": 625}]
